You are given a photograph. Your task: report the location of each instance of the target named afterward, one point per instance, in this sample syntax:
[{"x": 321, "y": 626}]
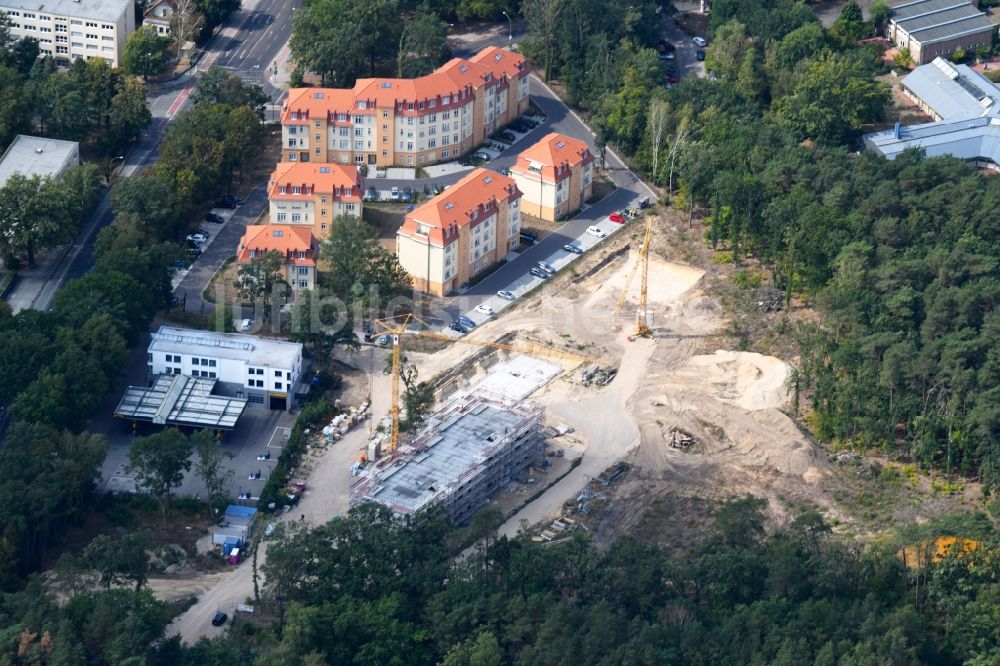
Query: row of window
[
  {"x": 43, "y": 17},
  {"x": 207, "y": 374},
  {"x": 259, "y": 383}
]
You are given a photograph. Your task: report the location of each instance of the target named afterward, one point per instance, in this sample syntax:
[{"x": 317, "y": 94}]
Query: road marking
[{"x": 285, "y": 433}]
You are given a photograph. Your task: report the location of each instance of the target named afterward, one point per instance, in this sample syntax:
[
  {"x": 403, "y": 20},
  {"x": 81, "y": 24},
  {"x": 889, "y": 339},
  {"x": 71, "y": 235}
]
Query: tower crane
[
  {"x": 642, "y": 329},
  {"x": 396, "y": 329}
]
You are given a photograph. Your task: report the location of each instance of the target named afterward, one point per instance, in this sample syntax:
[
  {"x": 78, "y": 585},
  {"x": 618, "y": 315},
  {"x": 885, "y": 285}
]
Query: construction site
[{"x": 485, "y": 437}]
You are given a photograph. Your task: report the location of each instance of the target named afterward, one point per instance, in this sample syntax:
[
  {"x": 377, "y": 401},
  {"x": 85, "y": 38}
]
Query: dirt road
[{"x": 329, "y": 496}]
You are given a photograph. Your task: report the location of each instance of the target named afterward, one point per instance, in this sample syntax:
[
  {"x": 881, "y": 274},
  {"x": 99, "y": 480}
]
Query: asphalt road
[
  {"x": 225, "y": 239},
  {"x": 261, "y": 32}
]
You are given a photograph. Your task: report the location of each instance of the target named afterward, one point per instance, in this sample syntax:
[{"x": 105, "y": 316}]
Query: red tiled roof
[
  {"x": 446, "y": 213},
  {"x": 315, "y": 178},
  {"x": 285, "y": 238},
  {"x": 451, "y": 78},
  {"x": 555, "y": 154}
]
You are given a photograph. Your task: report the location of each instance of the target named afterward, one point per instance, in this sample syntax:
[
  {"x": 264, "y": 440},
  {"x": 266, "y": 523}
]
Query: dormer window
[
  {"x": 277, "y": 233},
  {"x": 296, "y": 190},
  {"x": 282, "y": 189}
]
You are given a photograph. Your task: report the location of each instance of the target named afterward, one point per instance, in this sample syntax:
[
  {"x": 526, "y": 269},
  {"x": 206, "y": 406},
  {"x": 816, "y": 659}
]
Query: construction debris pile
[
  {"x": 769, "y": 299},
  {"x": 341, "y": 424},
  {"x": 597, "y": 375}
]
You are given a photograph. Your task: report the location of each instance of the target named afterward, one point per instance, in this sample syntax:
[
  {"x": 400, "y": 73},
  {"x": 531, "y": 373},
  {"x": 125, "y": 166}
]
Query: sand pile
[{"x": 744, "y": 379}]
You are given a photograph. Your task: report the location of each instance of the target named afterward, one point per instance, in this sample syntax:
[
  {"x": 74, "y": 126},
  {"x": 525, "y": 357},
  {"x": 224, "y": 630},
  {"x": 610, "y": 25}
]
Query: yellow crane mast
[
  {"x": 642, "y": 329},
  {"x": 396, "y": 330}
]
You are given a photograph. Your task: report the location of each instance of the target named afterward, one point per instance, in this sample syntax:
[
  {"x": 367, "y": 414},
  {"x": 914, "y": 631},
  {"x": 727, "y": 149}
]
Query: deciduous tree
[{"x": 158, "y": 464}]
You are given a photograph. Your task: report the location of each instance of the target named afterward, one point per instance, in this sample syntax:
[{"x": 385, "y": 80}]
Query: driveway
[
  {"x": 222, "y": 245},
  {"x": 514, "y": 276}
]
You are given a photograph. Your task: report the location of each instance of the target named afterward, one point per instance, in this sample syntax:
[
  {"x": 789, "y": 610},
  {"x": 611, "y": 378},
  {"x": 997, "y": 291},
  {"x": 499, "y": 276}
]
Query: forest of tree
[
  {"x": 367, "y": 589},
  {"x": 901, "y": 258}
]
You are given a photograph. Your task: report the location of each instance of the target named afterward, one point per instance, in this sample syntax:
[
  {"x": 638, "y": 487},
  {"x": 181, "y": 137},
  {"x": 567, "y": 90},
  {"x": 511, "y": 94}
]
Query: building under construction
[{"x": 470, "y": 450}]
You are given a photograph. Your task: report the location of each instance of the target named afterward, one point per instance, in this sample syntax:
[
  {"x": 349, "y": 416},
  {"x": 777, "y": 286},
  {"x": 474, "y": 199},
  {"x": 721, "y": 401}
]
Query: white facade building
[
  {"x": 70, "y": 29},
  {"x": 265, "y": 372}
]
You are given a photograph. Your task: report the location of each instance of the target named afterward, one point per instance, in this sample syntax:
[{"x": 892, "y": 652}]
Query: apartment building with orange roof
[
  {"x": 556, "y": 175},
  {"x": 297, "y": 244},
  {"x": 313, "y": 194},
  {"x": 461, "y": 232},
  {"x": 407, "y": 122}
]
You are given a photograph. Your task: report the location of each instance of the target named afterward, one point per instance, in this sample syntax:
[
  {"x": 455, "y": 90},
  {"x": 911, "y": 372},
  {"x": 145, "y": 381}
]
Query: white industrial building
[
  {"x": 38, "y": 156},
  {"x": 264, "y": 372},
  {"x": 68, "y": 30},
  {"x": 965, "y": 106}
]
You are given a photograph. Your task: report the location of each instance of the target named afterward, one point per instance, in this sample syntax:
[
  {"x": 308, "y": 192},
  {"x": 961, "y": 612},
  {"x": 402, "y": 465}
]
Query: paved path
[
  {"x": 245, "y": 27},
  {"x": 221, "y": 246}
]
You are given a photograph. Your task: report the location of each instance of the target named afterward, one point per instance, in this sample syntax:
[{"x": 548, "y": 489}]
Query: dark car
[
  {"x": 528, "y": 237},
  {"x": 699, "y": 55},
  {"x": 195, "y": 252},
  {"x": 228, "y": 201},
  {"x": 214, "y": 219},
  {"x": 407, "y": 193},
  {"x": 466, "y": 322},
  {"x": 575, "y": 249},
  {"x": 538, "y": 272},
  {"x": 455, "y": 326},
  {"x": 532, "y": 123},
  {"x": 219, "y": 619},
  {"x": 509, "y": 137}
]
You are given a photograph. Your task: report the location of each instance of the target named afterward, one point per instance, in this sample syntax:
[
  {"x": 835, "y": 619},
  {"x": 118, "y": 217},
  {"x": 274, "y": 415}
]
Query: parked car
[
  {"x": 197, "y": 237},
  {"x": 532, "y": 123},
  {"x": 264, "y": 456},
  {"x": 383, "y": 340},
  {"x": 466, "y": 322},
  {"x": 180, "y": 264},
  {"x": 528, "y": 237},
  {"x": 548, "y": 268},
  {"x": 485, "y": 310},
  {"x": 617, "y": 218},
  {"x": 509, "y": 137},
  {"x": 700, "y": 41},
  {"x": 194, "y": 252},
  {"x": 371, "y": 194},
  {"x": 456, "y": 326},
  {"x": 394, "y": 193},
  {"x": 228, "y": 201},
  {"x": 480, "y": 155},
  {"x": 538, "y": 272},
  {"x": 573, "y": 247},
  {"x": 271, "y": 526},
  {"x": 667, "y": 55},
  {"x": 214, "y": 219},
  {"x": 246, "y": 324},
  {"x": 595, "y": 230},
  {"x": 506, "y": 295},
  {"x": 219, "y": 619},
  {"x": 407, "y": 193},
  {"x": 700, "y": 55}
]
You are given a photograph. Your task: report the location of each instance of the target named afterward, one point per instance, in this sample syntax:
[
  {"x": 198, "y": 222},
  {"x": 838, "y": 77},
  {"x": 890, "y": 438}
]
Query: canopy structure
[{"x": 181, "y": 400}]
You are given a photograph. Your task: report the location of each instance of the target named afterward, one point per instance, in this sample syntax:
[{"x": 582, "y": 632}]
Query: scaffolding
[{"x": 469, "y": 450}]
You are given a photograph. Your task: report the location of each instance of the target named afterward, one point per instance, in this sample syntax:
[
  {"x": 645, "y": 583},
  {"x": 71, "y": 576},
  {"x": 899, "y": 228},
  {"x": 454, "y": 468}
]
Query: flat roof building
[
  {"x": 472, "y": 449},
  {"x": 179, "y": 400},
  {"x": 69, "y": 30},
  {"x": 38, "y": 156},
  {"x": 555, "y": 175},
  {"x": 261, "y": 370},
  {"x": 966, "y": 108},
  {"x": 932, "y": 28},
  {"x": 453, "y": 237}
]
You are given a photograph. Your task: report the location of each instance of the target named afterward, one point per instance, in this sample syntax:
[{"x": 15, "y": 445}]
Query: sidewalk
[{"x": 28, "y": 283}]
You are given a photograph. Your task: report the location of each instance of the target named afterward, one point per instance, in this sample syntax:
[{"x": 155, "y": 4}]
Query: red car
[{"x": 617, "y": 218}]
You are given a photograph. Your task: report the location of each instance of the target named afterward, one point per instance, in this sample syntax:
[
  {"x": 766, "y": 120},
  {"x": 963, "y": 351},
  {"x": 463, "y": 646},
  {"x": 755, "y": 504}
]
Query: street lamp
[
  {"x": 111, "y": 165},
  {"x": 510, "y": 29}
]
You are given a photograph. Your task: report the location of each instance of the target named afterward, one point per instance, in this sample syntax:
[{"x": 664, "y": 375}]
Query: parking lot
[{"x": 258, "y": 433}]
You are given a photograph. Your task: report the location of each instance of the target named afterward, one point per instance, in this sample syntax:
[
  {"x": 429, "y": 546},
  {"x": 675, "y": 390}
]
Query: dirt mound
[{"x": 744, "y": 379}]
